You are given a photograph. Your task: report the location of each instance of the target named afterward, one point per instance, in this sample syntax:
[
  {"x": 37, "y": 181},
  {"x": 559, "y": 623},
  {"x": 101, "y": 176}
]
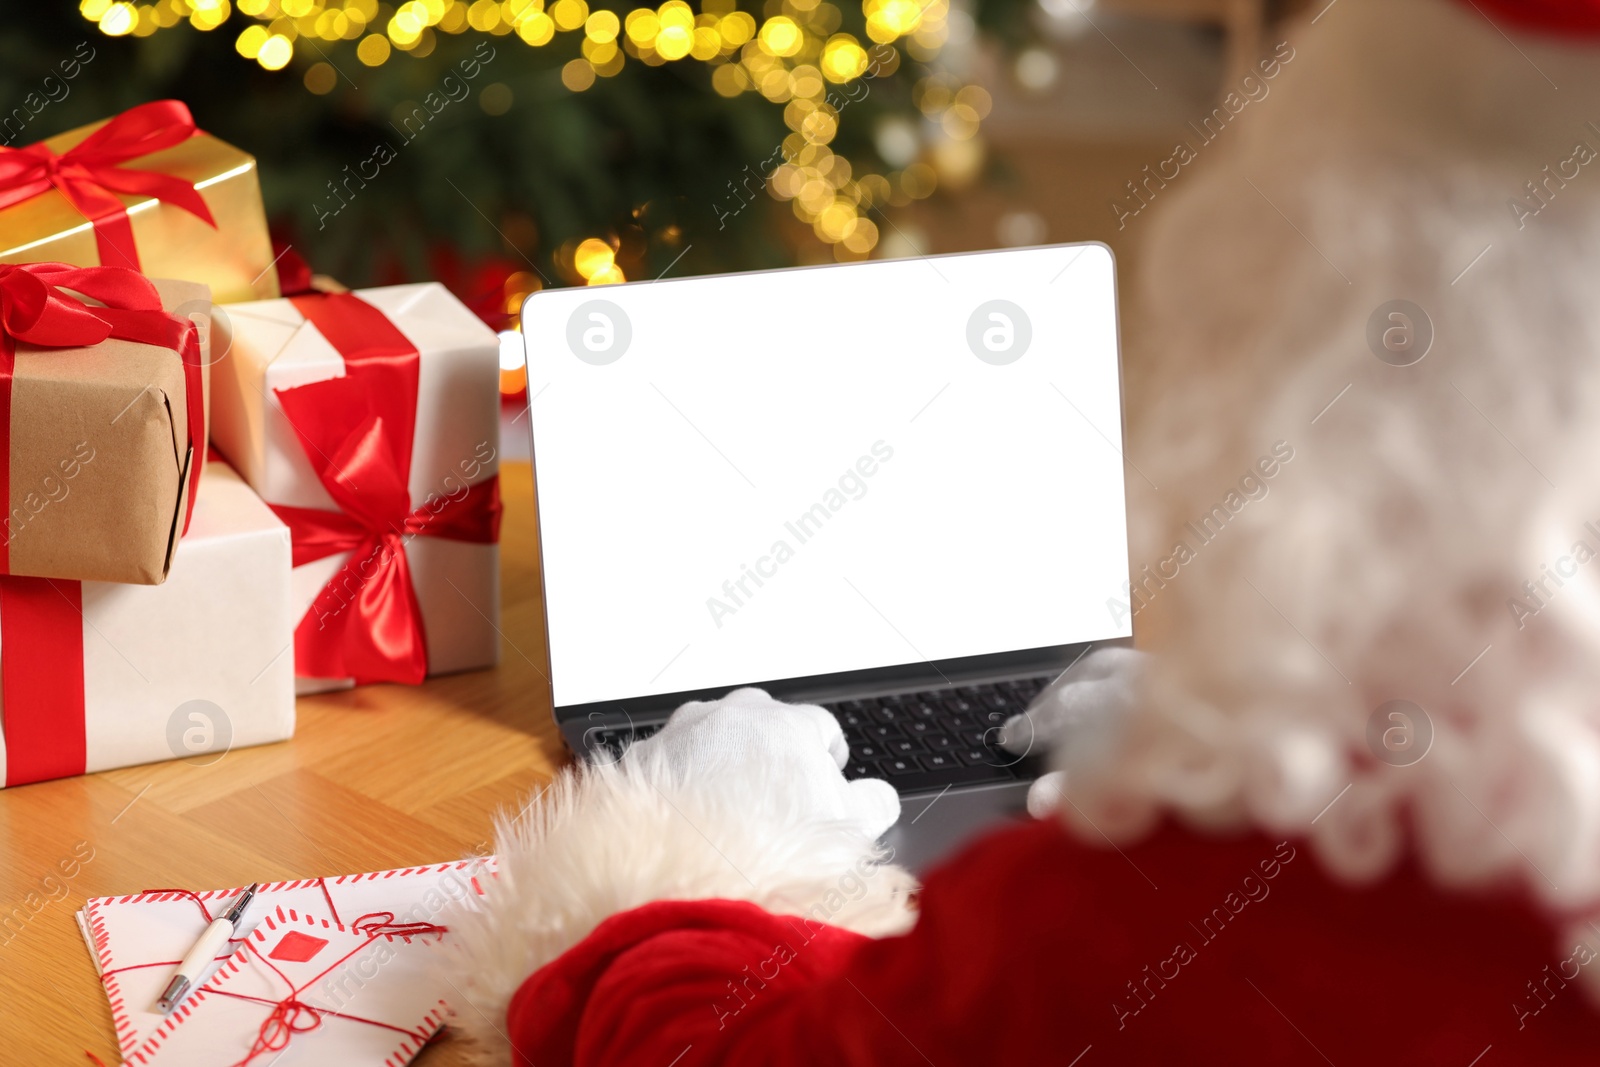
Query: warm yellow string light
[{"x": 793, "y": 59}]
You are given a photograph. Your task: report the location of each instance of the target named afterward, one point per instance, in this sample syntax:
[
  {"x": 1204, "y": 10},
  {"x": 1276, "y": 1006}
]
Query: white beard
[{"x": 1380, "y": 562}]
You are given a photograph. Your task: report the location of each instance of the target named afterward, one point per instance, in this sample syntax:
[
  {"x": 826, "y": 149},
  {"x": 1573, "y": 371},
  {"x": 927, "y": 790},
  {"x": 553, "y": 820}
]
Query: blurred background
[{"x": 501, "y": 146}]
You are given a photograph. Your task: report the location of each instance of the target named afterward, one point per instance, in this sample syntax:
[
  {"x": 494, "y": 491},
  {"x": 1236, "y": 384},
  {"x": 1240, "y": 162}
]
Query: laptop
[{"x": 892, "y": 488}]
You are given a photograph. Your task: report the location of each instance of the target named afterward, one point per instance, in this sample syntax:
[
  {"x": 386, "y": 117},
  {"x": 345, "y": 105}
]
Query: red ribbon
[
  {"x": 41, "y": 679},
  {"x": 357, "y": 432},
  {"x": 90, "y": 174},
  {"x": 36, "y": 308}
]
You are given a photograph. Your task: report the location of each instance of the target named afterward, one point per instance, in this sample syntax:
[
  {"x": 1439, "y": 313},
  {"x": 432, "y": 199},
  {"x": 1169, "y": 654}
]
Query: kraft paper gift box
[
  {"x": 145, "y": 190},
  {"x": 95, "y": 675},
  {"x": 369, "y": 420},
  {"x": 106, "y": 435}
]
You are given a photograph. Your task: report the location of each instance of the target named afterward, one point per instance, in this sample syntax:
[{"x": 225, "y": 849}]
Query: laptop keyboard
[
  {"x": 936, "y": 738},
  {"x": 922, "y": 741}
]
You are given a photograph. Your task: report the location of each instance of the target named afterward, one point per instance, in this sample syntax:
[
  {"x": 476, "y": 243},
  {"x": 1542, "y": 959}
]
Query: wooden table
[{"x": 378, "y": 777}]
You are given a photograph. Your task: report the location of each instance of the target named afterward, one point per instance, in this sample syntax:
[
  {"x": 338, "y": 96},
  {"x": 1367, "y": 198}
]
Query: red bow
[
  {"x": 37, "y": 308},
  {"x": 357, "y": 432},
  {"x": 90, "y": 174}
]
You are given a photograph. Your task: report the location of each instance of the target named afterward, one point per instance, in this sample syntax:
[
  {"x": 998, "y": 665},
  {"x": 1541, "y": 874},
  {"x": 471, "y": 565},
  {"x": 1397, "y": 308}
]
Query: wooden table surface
[{"x": 378, "y": 777}]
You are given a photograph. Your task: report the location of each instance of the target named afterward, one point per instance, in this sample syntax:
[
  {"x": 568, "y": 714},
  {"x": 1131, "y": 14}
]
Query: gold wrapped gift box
[{"x": 234, "y": 259}]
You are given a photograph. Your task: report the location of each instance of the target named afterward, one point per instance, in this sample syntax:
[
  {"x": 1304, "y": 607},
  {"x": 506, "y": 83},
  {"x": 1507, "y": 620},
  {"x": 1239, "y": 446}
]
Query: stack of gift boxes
[{"x": 223, "y": 484}]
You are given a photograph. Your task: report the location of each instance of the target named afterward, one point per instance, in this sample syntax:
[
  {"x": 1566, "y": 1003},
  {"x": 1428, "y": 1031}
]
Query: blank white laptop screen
[{"x": 791, "y": 473}]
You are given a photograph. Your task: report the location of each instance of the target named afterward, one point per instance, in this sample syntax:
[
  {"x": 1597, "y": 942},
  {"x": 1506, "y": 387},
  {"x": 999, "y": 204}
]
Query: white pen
[{"x": 205, "y": 950}]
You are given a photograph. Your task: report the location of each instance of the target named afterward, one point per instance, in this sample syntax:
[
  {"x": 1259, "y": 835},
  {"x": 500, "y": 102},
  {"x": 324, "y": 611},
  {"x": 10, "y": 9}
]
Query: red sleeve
[{"x": 1034, "y": 949}]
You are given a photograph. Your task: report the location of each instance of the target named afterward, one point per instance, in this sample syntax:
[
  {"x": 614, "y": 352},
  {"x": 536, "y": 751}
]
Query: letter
[
  {"x": 852, "y": 484},
  {"x": 56, "y": 494},
  {"x": 833, "y": 499},
  {"x": 1561, "y": 969},
  {"x": 722, "y": 217},
  {"x": 781, "y": 552},
  {"x": 883, "y": 451},
  {"x": 1283, "y": 450},
  {"x": 1234, "y": 902},
  {"x": 1545, "y": 577},
  {"x": 1260, "y": 887},
  {"x": 34, "y": 98},
  {"x": 479, "y": 52},
  {"x": 866, "y": 466},
  {"x": 51, "y": 884},
  {"x": 1561, "y": 168},
  {"x": 784, "y": 954},
  {"x": 1185, "y": 954},
  {"x": 1149, "y": 977},
  {"x": 1267, "y": 467},
  {"x": 1284, "y": 51},
  {"x": 1284, "y": 846},
  {"x": 1270, "y": 869},
  {"x": 470, "y": 68},
  {"x": 833, "y": 900},
  {"x": 1122, "y": 1014},
  {"x": 1121, "y": 214},
  {"x": 723, "y": 1015},
  {"x": 1161, "y": 568},
  {"x": 59, "y": 84},
  {"x": 361, "y": 167},
  {"x": 78, "y": 51},
  {"x": 1582, "y": 551},
  {"x": 1135, "y": 991},
  {"x": 1219, "y": 513},
  {"x": 745, "y": 577},
  {"x": 1205, "y": 535},
  {"x": 761, "y": 970},
  {"x": 33, "y": 503},
  {"x": 68, "y": 867},
  {"x": 1269, "y": 68},
  {"x": 450, "y": 79},
  {"x": 1259, "y": 93},
  {"x": 1183, "y": 553},
  {"x": 1177, "y": 168},
  {"x": 1550, "y": 977},
  {"x": 78, "y": 850},
  {"x": 1218, "y": 116},
  {"x": 1538, "y": 196},
  {"x": 323, "y": 215},
  {"x": 1562, "y": 571},
  {"x": 1522, "y": 1015},
  {"x": 718, "y": 609},
  {"x": 1253, "y": 487},
  {"x": 1583, "y": 954},
  {"x": 68, "y": 467},
  {"x": 1205, "y": 924},
  {"x": 13, "y": 120},
  {"x": 764, "y": 571},
  {"x": 1233, "y": 502},
  {"x": 12, "y": 917},
  {"x": 1186, "y": 155},
  {"x": 810, "y": 522},
  {"x": 854, "y": 888},
  {"x": 1583, "y": 153},
  {"x": 29, "y": 901},
  {"x": 1176, "y": 969}
]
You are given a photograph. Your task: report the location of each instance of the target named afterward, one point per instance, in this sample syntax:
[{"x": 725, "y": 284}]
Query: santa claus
[{"x": 1344, "y": 807}]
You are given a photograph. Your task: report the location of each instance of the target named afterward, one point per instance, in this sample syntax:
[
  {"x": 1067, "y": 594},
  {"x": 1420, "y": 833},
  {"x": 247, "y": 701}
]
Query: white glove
[
  {"x": 797, "y": 748},
  {"x": 1077, "y": 717}
]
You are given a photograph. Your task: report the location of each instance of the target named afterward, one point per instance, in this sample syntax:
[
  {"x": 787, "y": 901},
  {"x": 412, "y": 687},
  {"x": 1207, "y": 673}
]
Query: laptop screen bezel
[{"x": 913, "y": 675}]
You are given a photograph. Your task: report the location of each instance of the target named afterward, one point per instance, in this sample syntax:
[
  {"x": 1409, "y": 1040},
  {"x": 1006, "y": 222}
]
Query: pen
[{"x": 205, "y": 950}]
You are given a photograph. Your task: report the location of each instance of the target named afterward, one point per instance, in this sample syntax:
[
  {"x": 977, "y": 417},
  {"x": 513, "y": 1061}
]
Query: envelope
[
  {"x": 136, "y": 940},
  {"x": 306, "y": 983}
]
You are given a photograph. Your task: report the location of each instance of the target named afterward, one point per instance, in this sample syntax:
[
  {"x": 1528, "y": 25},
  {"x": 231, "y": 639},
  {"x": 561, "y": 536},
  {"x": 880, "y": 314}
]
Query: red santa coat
[{"x": 1033, "y": 948}]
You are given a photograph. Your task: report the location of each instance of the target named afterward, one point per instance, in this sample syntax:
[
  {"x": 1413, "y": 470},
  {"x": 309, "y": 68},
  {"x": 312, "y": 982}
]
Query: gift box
[
  {"x": 369, "y": 421},
  {"x": 95, "y": 675},
  {"x": 102, "y": 420},
  {"x": 146, "y": 190}
]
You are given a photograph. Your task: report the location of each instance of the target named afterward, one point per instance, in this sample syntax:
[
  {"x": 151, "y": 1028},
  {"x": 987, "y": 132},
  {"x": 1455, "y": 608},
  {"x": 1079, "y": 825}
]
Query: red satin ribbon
[
  {"x": 37, "y": 308},
  {"x": 357, "y": 432},
  {"x": 41, "y": 653},
  {"x": 90, "y": 174}
]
